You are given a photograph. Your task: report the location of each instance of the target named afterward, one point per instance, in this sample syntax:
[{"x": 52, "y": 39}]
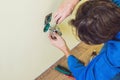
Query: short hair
[{"x": 97, "y": 21}]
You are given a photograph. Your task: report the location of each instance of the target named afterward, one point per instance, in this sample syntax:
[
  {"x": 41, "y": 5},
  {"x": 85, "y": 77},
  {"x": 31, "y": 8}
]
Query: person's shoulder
[{"x": 113, "y": 52}]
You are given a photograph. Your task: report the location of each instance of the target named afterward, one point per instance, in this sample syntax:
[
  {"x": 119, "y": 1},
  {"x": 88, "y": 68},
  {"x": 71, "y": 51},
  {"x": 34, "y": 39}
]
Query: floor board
[{"x": 81, "y": 51}]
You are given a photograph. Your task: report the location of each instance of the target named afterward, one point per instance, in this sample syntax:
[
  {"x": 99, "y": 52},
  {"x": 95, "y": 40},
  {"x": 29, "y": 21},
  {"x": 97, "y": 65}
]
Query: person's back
[{"x": 97, "y": 22}]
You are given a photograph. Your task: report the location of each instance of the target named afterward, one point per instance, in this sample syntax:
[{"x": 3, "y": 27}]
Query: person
[
  {"x": 96, "y": 22},
  {"x": 68, "y": 6}
]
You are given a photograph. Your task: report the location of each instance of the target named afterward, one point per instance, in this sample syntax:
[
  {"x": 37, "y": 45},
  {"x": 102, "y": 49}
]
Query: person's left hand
[{"x": 65, "y": 9}]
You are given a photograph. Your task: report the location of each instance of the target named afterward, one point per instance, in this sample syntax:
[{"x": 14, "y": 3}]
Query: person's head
[{"x": 97, "y": 21}]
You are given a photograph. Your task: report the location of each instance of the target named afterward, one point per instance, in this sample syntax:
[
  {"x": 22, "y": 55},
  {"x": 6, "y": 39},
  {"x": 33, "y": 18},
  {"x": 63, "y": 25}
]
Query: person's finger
[
  {"x": 56, "y": 34},
  {"x": 57, "y": 18},
  {"x": 61, "y": 19},
  {"x": 49, "y": 36},
  {"x": 53, "y": 36},
  {"x": 55, "y": 14},
  {"x": 51, "y": 40}
]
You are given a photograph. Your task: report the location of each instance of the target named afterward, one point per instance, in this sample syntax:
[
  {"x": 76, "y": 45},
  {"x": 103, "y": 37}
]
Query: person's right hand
[
  {"x": 59, "y": 42},
  {"x": 64, "y": 10}
]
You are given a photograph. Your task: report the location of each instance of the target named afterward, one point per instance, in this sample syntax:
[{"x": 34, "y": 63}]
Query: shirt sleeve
[
  {"x": 75, "y": 66},
  {"x": 117, "y": 2}
]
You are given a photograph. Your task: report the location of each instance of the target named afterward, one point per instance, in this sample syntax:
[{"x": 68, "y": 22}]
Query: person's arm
[
  {"x": 65, "y": 10},
  {"x": 75, "y": 65}
]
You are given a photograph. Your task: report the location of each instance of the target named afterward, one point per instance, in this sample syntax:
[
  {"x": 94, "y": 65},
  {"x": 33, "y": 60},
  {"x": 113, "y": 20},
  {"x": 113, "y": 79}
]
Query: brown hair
[{"x": 97, "y": 21}]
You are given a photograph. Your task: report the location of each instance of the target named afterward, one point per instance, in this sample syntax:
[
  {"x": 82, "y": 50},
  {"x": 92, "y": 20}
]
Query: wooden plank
[{"x": 81, "y": 51}]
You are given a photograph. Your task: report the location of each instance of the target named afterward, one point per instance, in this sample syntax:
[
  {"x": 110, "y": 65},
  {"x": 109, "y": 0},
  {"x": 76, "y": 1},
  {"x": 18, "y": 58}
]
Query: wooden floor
[{"x": 81, "y": 51}]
